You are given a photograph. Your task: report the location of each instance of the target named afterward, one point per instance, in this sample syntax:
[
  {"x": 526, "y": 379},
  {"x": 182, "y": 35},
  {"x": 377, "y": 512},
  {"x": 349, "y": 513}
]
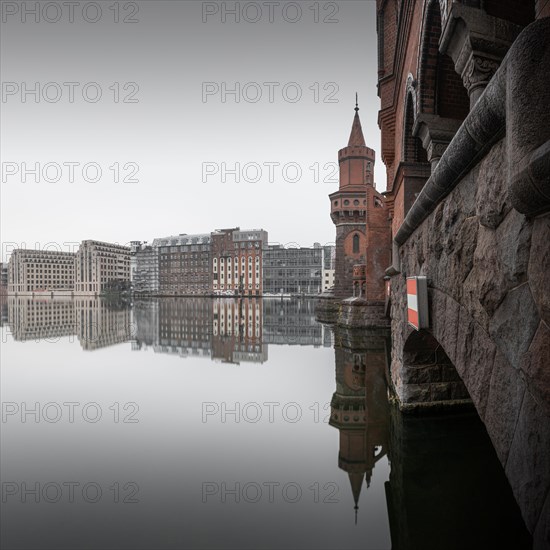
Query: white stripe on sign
[{"x": 412, "y": 302}]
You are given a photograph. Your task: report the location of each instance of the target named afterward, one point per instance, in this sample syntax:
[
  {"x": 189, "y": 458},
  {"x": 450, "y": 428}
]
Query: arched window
[
  {"x": 356, "y": 244},
  {"x": 412, "y": 146}
]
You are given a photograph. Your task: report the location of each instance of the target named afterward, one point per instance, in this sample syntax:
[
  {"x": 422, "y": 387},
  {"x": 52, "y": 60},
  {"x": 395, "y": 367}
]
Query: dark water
[{"x": 198, "y": 423}]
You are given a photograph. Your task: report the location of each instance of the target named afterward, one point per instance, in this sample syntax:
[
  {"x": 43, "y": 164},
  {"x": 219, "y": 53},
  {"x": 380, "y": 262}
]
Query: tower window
[{"x": 356, "y": 244}]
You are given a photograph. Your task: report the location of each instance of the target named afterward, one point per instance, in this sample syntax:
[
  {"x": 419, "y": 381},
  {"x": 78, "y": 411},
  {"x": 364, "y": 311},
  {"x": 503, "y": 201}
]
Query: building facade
[
  {"x": 134, "y": 247},
  {"x": 3, "y": 279},
  {"x": 237, "y": 261},
  {"x": 101, "y": 267},
  {"x": 293, "y": 271},
  {"x": 41, "y": 271},
  {"x": 329, "y": 262},
  {"x": 146, "y": 276},
  {"x": 184, "y": 264}
]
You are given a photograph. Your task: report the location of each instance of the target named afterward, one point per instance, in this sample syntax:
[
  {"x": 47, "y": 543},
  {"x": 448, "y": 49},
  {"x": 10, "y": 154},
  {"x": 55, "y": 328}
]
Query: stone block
[
  {"x": 528, "y": 465},
  {"x": 514, "y": 324},
  {"x": 539, "y": 266},
  {"x": 459, "y": 390},
  {"x": 492, "y": 202},
  {"x": 416, "y": 393},
  {"x": 536, "y": 366},
  {"x": 506, "y": 393},
  {"x": 541, "y": 537},
  {"x": 449, "y": 374},
  {"x": 474, "y": 359},
  {"x": 440, "y": 391}
]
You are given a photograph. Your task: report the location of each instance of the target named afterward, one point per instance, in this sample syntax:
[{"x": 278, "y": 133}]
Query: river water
[{"x": 204, "y": 423}]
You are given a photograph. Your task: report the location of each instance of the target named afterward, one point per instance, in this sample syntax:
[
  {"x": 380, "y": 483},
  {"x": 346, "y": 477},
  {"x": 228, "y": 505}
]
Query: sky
[{"x": 155, "y": 118}]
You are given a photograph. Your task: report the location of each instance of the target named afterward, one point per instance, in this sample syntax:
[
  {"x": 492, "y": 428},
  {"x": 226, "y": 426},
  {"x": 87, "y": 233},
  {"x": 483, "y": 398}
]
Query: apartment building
[
  {"x": 32, "y": 272},
  {"x": 184, "y": 264},
  {"x": 101, "y": 267}
]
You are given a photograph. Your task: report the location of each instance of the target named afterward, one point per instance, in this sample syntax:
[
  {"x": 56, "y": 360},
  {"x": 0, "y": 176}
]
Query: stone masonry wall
[{"x": 488, "y": 270}]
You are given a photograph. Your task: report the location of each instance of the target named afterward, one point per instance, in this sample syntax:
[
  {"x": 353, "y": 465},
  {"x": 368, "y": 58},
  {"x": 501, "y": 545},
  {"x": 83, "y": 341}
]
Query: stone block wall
[{"x": 488, "y": 269}]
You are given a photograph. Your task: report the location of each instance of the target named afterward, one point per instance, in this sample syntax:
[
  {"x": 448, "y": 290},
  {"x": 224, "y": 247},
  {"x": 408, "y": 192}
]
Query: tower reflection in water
[
  {"x": 359, "y": 408},
  {"x": 446, "y": 487}
]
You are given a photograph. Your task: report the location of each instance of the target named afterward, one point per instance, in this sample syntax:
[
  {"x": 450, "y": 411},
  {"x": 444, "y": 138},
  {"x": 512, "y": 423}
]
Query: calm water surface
[{"x": 199, "y": 423}]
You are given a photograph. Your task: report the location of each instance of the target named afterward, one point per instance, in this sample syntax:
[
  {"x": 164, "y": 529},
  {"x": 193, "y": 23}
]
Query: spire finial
[
  {"x": 356, "y": 508},
  {"x": 356, "y": 102}
]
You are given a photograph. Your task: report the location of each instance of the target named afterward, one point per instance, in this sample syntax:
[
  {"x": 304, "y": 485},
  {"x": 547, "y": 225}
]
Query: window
[{"x": 356, "y": 244}]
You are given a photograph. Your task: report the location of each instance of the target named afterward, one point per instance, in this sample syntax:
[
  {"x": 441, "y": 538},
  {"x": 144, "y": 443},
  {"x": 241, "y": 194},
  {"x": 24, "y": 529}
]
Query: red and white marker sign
[{"x": 417, "y": 302}]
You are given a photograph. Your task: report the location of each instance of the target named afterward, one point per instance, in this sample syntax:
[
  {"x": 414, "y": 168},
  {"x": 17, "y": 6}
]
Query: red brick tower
[{"x": 349, "y": 207}]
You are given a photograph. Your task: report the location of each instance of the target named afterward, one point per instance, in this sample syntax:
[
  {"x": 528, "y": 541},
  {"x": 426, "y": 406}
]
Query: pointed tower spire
[
  {"x": 356, "y": 482},
  {"x": 356, "y": 137}
]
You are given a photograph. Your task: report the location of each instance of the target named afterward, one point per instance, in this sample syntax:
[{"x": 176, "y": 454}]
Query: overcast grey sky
[{"x": 163, "y": 111}]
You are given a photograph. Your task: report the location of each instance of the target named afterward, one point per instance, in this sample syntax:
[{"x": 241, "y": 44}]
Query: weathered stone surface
[
  {"x": 445, "y": 327},
  {"x": 416, "y": 393},
  {"x": 421, "y": 374},
  {"x": 514, "y": 324},
  {"x": 440, "y": 391},
  {"x": 539, "y": 266},
  {"x": 480, "y": 290},
  {"x": 506, "y": 393},
  {"x": 492, "y": 188},
  {"x": 459, "y": 390},
  {"x": 359, "y": 313},
  {"x": 528, "y": 465},
  {"x": 474, "y": 359},
  {"x": 449, "y": 374},
  {"x": 500, "y": 264},
  {"x": 541, "y": 537},
  {"x": 514, "y": 241},
  {"x": 536, "y": 366},
  {"x": 327, "y": 310}
]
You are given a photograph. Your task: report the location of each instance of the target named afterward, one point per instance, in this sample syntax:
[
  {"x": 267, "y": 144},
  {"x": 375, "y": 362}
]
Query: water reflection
[
  {"x": 359, "y": 408},
  {"x": 398, "y": 482}
]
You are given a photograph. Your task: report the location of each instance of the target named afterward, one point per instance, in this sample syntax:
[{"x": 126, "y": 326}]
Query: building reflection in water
[
  {"x": 96, "y": 323},
  {"x": 229, "y": 330},
  {"x": 359, "y": 408}
]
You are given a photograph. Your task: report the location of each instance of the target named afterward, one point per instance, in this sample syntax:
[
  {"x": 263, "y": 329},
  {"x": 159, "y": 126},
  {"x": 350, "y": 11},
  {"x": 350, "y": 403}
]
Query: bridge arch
[{"x": 430, "y": 378}]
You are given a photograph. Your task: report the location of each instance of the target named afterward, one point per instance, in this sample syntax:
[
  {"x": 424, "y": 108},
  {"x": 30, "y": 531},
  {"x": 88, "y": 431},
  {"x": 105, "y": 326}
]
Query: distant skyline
[{"x": 179, "y": 133}]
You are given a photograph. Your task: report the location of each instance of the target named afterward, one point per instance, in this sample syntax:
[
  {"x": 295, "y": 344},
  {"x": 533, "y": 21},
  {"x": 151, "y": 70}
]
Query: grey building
[
  {"x": 293, "y": 271},
  {"x": 3, "y": 278},
  {"x": 146, "y": 276}
]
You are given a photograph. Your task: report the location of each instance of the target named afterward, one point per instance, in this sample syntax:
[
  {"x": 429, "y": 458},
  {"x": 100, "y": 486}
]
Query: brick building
[
  {"x": 184, "y": 264},
  {"x": 237, "y": 261}
]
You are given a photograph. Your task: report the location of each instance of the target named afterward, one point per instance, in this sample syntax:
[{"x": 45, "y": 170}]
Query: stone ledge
[{"x": 437, "y": 407}]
